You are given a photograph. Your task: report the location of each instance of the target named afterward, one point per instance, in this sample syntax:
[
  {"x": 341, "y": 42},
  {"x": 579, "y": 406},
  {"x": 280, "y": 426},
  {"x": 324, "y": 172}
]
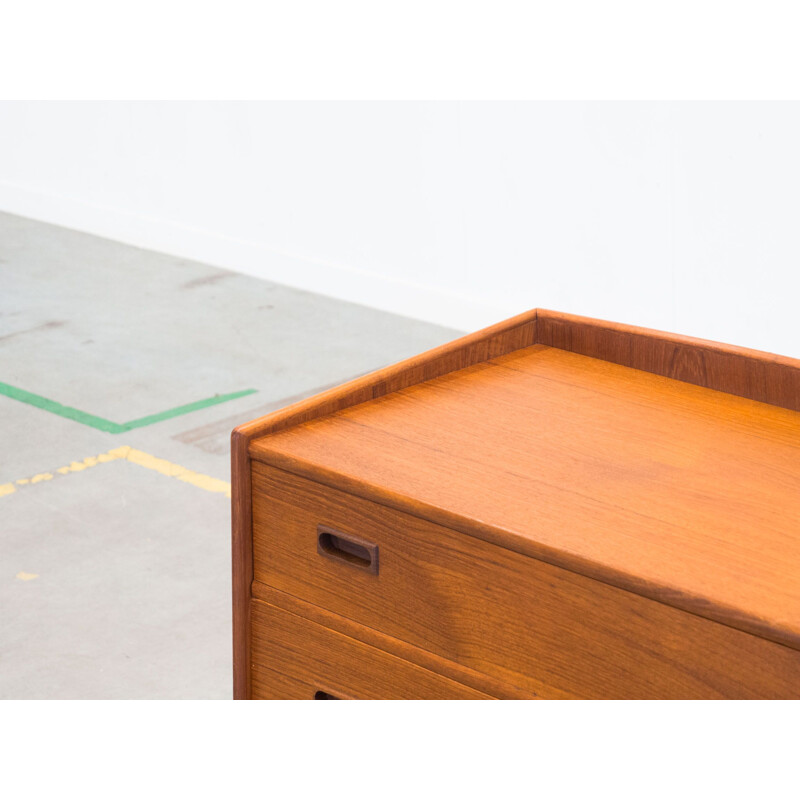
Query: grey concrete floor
[{"x": 115, "y": 577}]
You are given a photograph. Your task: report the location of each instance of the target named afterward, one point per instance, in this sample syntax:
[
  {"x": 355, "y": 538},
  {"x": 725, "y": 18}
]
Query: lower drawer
[{"x": 296, "y": 659}]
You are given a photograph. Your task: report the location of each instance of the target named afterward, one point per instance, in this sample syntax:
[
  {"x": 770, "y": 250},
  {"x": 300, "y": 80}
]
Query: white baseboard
[{"x": 252, "y": 258}]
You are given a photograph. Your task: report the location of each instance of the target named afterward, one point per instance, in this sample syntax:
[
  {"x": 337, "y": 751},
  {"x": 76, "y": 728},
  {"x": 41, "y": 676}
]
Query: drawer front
[
  {"x": 296, "y": 659},
  {"x": 527, "y": 623}
]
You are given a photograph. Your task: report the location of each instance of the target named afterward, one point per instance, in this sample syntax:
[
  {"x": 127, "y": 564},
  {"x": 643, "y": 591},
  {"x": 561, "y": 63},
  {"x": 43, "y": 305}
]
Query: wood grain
[
  {"x": 497, "y": 340},
  {"x": 459, "y": 673},
  {"x": 524, "y": 622},
  {"x": 685, "y": 495},
  {"x": 315, "y": 658},
  {"x": 747, "y": 373},
  {"x": 505, "y": 337},
  {"x": 242, "y": 561},
  {"x": 728, "y": 591}
]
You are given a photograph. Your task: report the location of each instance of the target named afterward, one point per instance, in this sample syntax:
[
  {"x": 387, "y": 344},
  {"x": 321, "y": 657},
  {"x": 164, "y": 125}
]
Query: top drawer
[{"x": 536, "y": 626}]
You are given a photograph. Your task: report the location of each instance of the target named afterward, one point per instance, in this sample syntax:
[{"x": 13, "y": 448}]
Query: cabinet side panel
[{"x": 242, "y": 562}]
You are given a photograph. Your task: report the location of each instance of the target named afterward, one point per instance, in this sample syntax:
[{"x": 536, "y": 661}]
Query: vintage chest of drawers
[{"x": 554, "y": 507}]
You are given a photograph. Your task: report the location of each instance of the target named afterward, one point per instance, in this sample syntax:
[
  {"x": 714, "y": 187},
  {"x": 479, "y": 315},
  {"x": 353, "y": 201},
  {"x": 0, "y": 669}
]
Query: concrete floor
[{"x": 115, "y": 575}]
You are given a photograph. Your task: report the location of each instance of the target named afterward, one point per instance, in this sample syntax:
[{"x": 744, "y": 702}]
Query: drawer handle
[
  {"x": 347, "y": 548},
  {"x": 320, "y": 695}
]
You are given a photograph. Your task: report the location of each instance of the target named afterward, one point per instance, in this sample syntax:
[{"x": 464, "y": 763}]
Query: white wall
[{"x": 684, "y": 217}]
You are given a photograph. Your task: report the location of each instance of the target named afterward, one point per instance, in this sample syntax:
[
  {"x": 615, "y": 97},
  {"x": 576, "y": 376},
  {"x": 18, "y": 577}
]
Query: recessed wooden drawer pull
[
  {"x": 347, "y": 548},
  {"x": 320, "y": 695}
]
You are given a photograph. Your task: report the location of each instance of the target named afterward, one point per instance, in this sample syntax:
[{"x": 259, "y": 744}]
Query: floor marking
[
  {"x": 176, "y": 471},
  {"x": 106, "y": 425},
  {"x": 138, "y": 457},
  {"x": 26, "y": 576}
]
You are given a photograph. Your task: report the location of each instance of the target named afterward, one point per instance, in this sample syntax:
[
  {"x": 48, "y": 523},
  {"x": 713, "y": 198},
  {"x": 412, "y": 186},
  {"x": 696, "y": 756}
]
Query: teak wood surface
[
  {"x": 459, "y": 673},
  {"x": 289, "y": 648},
  {"x": 528, "y": 624},
  {"x": 580, "y": 443}
]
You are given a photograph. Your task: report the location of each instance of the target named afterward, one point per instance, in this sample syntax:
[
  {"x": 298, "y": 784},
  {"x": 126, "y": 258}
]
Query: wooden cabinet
[{"x": 554, "y": 507}]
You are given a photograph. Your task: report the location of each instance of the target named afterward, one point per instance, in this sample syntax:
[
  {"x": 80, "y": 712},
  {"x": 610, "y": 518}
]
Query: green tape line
[
  {"x": 106, "y": 425},
  {"x": 176, "y": 412}
]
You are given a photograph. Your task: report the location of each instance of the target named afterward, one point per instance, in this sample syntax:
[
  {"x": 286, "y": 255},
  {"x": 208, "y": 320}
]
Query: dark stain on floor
[
  {"x": 204, "y": 281},
  {"x": 44, "y": 326}
]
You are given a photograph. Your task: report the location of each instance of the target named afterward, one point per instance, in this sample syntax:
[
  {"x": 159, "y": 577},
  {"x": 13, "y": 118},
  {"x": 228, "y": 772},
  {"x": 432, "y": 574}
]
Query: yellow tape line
[
  {"x": 175, "y": 471},
  {"x": 135, "y": 457}
]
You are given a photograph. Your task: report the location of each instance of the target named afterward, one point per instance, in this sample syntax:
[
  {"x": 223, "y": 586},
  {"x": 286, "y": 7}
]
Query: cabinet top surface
[{"x": 675, "y": 489}]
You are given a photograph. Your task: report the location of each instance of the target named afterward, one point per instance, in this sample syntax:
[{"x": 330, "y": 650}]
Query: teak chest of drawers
[{"x": 554, "y": 507}]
